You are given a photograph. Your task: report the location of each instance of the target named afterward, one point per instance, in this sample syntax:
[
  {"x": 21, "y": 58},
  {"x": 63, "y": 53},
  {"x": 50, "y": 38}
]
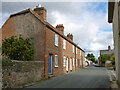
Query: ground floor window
[
  {"x": 56, "y": 60},
  {"x": 76, "y": 62},
  {"x": 73, "y": 62},
  {"x": 64, "y": 60}
]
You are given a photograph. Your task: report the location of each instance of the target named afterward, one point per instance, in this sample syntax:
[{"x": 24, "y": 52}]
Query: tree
[
  {"x": 112, "y": 59},
  {"x": 104, "y": 58},
  {"x": 96, "y": 61},
  {"x": 91, "y": 57},
  {"x": 18, "y": 48}
]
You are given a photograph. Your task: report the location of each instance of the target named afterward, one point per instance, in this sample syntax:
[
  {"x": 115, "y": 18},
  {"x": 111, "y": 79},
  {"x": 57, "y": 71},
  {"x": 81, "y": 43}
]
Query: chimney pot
[
  {"x": 109, "y": 48},
  {"x": 60, "y": 28},
  {"x": 41, "y": 11},
  {"x": 70, "y": 36}
]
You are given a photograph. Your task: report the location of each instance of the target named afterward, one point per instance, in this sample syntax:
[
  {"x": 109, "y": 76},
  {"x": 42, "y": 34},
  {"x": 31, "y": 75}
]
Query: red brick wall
[
  {"x": 9, "y": 28},
  {"x": 58, "y": 50},
  {"x": 29, "y": 26},
  {"x": 44, "y": 40}
]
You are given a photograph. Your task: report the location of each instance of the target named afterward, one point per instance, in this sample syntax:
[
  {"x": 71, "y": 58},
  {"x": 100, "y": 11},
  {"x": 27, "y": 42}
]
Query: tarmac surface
[{"x": 90, "y": 77}]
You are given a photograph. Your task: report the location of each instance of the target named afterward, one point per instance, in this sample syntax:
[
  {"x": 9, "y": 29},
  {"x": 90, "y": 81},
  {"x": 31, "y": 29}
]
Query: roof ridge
[{"x": 44, "y": 22}]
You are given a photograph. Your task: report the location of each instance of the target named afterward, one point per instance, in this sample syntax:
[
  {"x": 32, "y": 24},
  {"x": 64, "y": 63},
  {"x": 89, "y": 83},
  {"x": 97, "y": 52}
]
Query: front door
[
  {"x": 50, "y": 64},
  {"x": 67, "y": 64},
  {"x": 70, "y": 64}
]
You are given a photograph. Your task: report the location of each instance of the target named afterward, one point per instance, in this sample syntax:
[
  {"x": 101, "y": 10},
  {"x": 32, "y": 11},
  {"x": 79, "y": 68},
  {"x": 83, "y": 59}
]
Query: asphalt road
[{"x": 91, "y": 77}]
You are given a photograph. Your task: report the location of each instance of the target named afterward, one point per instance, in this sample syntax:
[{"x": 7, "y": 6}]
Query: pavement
[
  {"x": 113, "y": 81},
  {"x": 90, "y": 77}
]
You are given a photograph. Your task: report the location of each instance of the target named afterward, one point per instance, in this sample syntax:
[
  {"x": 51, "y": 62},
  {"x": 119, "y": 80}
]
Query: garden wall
[{"x": 21, "y": 73}]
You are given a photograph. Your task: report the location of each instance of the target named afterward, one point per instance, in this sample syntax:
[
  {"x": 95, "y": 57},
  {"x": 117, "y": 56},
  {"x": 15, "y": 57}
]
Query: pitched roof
[{"x": 47, "y": 25}]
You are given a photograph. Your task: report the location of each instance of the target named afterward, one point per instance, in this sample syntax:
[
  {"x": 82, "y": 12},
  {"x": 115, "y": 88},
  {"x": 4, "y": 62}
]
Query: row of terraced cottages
[{"x": 59, "y": 52}]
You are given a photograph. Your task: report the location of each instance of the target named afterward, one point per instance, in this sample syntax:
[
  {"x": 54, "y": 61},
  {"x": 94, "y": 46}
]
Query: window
[
  {"x": 76, "y": 62},
  {"x": 73, "y": 48},
  {"x": 80, "y": 62},
  {"x": 64, "y": 44},
  {"x": 56, "y": 40},
  {"x": 80, "y": 52},
  {"x": 73, "y": 62},
  {"x": 76, "y": 50},
  {"x": 56, "y": 60},
  {"x": 64, "y": 60}
]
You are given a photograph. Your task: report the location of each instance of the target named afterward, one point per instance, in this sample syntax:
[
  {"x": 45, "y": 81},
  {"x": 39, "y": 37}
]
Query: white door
[
  {"x": 67, "y": 64},
  {"x": 70, "y": 64}
]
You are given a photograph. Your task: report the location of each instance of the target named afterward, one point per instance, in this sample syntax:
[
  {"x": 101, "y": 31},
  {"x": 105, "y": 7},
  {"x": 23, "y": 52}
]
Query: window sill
[
  {"x": 56, "y": 66},
  {"x": 56, "y": 45}
]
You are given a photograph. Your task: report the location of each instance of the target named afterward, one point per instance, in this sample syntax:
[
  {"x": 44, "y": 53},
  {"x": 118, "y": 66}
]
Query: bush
[
  {"x": 18, "y": 48},
  {"x": 104, "y": 58},
  {"x": 113, "y": 60}
]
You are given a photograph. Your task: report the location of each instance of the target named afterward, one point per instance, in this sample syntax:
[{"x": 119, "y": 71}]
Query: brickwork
[{"x": 30, "y": 24}]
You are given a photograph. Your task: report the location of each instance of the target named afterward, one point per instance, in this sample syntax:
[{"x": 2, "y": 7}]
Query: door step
[{"x": 51, "y": 76}]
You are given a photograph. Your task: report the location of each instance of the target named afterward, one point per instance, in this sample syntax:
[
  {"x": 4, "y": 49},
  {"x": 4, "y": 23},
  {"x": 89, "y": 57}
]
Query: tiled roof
[{"x": 47, "y": 24}]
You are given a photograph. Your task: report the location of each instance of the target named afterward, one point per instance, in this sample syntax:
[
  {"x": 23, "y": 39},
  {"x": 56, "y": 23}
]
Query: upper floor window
[
  {"x": 64, "y": 60},
  {"x": 73, "y": 48},
  {"x": 64, "y": 44},
  {"x": 76, "y": 50},
  {"x": 80, "y": 52},
  {"x": 56, "y": 60},
  {"x": 73, "y": 62},
  {"x": 56, "y": 40}
]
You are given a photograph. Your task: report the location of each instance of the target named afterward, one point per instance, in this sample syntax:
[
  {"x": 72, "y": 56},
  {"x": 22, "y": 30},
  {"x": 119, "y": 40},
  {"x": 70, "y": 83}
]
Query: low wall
[{"x": 21, "y": 73}]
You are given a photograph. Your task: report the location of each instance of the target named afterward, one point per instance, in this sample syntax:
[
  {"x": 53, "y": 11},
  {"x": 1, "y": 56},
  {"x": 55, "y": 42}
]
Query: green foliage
[
  {"x": 104, "y": 58},
  {"x": 96, "y": 61},
  {"x": 91, "y": 57},
  {"x": 6, "y": 62},
  {"x": 18, "y": 48},
  {"x": 113, "y": 60}
]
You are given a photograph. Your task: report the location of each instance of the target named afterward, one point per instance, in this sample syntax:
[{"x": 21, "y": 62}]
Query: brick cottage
[{"x": 59, "y": 52}]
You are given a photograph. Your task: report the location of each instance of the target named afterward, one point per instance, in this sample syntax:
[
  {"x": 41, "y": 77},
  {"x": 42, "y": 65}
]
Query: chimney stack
[
  {"x": 70, "y": 36},
  {"x": 109, "y": 48},
  {"x": 41, "y": 11},
  {"x": 60, "y": 28}
]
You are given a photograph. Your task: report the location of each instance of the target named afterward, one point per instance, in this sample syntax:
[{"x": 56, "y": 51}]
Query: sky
[{"x": 87, "y": 21}]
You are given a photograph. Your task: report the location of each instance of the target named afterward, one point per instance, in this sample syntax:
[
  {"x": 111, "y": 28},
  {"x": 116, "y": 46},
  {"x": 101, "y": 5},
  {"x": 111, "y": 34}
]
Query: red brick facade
[{"x": 30, "y": 24}]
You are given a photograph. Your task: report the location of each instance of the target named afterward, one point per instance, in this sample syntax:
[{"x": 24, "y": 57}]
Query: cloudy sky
[{"x": 87, "y": 21}]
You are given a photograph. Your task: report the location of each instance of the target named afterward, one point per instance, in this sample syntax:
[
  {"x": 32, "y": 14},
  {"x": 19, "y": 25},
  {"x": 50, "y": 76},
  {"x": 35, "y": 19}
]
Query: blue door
[{"x": 50, "y": 64}]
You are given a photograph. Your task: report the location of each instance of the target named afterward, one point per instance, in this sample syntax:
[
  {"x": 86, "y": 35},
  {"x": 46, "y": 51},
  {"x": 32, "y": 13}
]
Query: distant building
[
  {"x": 108, "y": 51},
  {"x": 59, "y": 52},
  {"x": 88, "y": 62}
]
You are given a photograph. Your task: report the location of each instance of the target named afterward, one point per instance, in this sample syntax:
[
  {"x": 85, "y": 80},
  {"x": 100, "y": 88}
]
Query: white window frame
[
  {"x": 73, "y": 62},
  {"x": 80, "y": 62},
  {"x": 80, "y": 52},
  {"x": 56, "y": 40},
  {"x": 73, "y": 48},
  {"x": 76, "y": 50},
  {"x": 76, "y": 62},
  {"x": 64, "y": 44},
  {"x": 56, "y": 60},
  {"x": 64, "y": 61}
]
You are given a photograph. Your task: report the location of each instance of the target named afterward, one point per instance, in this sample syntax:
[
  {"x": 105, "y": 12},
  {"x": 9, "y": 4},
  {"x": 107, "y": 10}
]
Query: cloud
[
  {"x": 88, "y": 27},
  {"x": 86, "y": 21}
]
